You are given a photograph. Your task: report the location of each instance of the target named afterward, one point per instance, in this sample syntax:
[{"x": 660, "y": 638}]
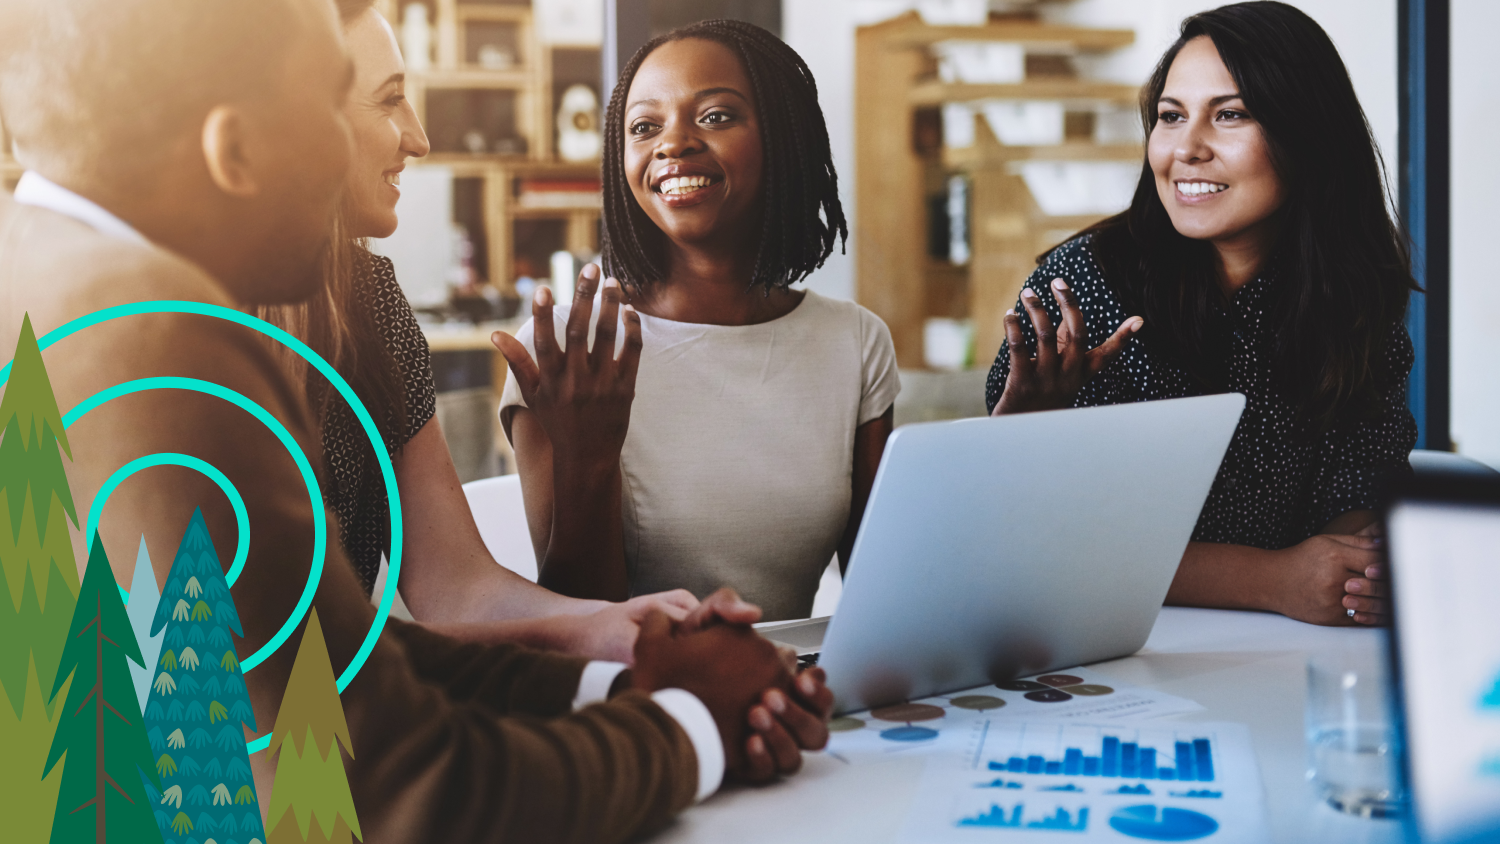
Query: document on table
[
  {"x": 936, "y": 723},
  {"x": 1051, "y": 780}
]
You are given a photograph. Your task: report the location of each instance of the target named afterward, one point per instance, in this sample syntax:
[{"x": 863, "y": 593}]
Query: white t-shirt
[{"x": 739, "y": 460}]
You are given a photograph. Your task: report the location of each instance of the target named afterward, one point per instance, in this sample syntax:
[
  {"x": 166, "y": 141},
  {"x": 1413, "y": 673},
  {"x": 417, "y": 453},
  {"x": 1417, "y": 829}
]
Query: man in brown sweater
[{"x": 186, "y": 150}]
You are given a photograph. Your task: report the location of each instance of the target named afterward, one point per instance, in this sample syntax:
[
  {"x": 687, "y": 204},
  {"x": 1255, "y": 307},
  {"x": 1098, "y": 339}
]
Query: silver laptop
[{"x": 997, "y": 548}]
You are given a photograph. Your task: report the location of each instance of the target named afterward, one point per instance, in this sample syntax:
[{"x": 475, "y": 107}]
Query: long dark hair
[
  {"x": 1340, "y": 269},
  {"x": 340, "y": 325},
  {"x": 798, "y": 182}
]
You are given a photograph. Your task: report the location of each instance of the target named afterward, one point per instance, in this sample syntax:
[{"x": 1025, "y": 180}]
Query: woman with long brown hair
[
  {"x": 363, "y": 325},
  {"x": 1260, "y": 257}
]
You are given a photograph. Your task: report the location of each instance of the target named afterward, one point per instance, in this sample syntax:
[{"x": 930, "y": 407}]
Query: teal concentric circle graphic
[
  {"x": 387, "y": 471},
  {"x": 314, "y": 493},
  {"x": 241, "y": 516}
]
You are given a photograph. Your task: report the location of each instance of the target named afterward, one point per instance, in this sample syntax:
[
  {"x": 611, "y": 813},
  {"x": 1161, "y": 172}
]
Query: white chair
[
  {"x": 830, "y": 589},
  {"x": 1446, "y": 462},
  {"x": 501, "y": 516}
]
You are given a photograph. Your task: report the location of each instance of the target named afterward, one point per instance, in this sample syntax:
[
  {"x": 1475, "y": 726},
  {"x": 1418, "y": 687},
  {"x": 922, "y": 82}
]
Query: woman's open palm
[
  {"x": 1063, "y": 362},
  {"x": 580, "y": 396}
]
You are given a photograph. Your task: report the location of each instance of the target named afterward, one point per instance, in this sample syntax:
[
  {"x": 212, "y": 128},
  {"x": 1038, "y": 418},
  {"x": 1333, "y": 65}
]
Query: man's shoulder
[
  {"x": 55, "y": 270},
  {"x": 56, "y": 261}
]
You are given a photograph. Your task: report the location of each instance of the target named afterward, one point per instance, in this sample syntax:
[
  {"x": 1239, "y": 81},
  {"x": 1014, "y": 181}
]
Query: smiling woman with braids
[
  {"x": 743, "y": 453},
  {"x": 1261, "y": 258}
]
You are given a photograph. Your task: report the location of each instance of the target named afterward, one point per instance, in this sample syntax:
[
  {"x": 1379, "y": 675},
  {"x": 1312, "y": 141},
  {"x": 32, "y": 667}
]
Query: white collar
[{"x": 37, "y": 190}]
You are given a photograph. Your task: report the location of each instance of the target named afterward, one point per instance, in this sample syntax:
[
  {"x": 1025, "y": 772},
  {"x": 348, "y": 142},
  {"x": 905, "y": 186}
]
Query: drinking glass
[{"x": 1353, "y": 746}]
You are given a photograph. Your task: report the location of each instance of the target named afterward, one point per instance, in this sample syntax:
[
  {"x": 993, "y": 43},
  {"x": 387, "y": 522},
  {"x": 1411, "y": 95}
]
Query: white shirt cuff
[
  {"x": 593, "y": 686},
  {"x": 694, "y": 718}
]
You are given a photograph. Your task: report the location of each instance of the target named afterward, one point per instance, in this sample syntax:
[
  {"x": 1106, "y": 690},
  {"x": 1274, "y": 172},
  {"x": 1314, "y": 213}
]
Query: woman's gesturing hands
[
  {"x": 1063, "y": 362},
  {"x": 582, "y": 397}
]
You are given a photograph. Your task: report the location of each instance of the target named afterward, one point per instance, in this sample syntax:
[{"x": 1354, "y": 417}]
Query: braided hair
[{"x": 802, "y": 214}]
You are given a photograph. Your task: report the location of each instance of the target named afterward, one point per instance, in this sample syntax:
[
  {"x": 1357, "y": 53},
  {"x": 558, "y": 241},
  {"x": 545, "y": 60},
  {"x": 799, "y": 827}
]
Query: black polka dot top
[
  {"x": 356, "y": 489},
  {"x": 1277, "y": 485}
]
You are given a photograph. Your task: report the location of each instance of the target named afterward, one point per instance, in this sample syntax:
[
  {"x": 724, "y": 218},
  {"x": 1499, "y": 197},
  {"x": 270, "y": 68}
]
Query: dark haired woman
[
  {"x": 744, "y": 452},
  {"x": 365, "y": 327},
  {"x": 363, "y": 324},
  {"x": 1261, "y": 258}
]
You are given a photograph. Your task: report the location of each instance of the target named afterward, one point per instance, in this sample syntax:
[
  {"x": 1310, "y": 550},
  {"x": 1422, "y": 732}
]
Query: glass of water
[{"x": 1353, "y": 747}]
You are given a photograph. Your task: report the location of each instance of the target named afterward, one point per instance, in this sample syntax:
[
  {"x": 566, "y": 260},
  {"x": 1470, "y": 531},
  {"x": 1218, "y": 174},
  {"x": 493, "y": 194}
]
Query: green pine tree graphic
[
  {"x": 310, "y": 779},
  {"x": 100, "y": 731},
  {"x": 39, "y": 586},
  {"x": 199, "y": 709}
]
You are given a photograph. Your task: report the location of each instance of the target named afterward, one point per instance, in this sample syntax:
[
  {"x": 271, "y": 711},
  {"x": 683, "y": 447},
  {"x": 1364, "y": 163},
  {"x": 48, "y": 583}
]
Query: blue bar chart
[
  {"x": 1061, "y": 780},
  {"x": 1061, "y": 820},
  {"x": 1091, "y": 752}
]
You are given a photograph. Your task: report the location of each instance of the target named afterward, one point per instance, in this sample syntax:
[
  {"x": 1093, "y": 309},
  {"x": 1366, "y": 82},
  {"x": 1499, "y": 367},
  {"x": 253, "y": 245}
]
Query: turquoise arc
[
  {"x": 315, "y": 495},
  {"x": 387, "y": 471},
  {"x": 241, "y": 516}
]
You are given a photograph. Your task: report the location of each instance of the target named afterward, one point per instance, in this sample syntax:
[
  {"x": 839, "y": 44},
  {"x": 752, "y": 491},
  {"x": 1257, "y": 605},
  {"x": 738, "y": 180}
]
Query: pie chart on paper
[{"x": 1171, "y": 824}]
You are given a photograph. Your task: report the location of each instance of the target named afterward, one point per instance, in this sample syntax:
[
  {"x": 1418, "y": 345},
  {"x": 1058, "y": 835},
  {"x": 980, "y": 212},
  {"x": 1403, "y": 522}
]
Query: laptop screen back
[{"x": 1445, "y": 567}]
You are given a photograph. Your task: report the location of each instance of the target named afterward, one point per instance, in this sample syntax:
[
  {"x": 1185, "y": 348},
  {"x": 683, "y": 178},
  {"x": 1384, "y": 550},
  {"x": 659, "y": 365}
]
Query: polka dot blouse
[
  {"x": 356, "y": 489},
  {"x": 1276, "y": 486}
]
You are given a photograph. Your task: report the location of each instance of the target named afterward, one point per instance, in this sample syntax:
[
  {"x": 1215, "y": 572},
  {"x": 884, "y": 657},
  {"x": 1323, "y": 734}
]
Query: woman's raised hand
[
  {"x": 580, "y": 396},
  {"x": 1063, "y": 362}
]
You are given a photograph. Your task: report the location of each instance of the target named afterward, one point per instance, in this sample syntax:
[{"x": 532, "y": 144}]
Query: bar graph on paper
[
  {"x": 1067, "y": 750},
  {"x": 1054, "y": 780}
]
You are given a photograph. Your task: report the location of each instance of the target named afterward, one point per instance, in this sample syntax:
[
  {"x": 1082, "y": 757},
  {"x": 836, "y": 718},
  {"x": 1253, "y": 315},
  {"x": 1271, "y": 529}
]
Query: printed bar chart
[
  {"x": 1117, "y": 758},
  {"x": 1061, "y": 820}
]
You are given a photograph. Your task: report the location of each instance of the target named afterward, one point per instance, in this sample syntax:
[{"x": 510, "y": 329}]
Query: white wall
[
  {"x": 1476, "y": 211},
  {"x": 822, "y": 32}
]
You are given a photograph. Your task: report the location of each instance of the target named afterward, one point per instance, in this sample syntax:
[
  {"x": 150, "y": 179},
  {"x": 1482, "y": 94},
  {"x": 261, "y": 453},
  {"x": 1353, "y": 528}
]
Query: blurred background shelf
[
  {"x": 937, "y": 93},
  {"x": 986, "y": 156},
  {"x": 485, "y": 214},
  {"x": 1010, "y": 149},
  {"x": 10, "y": 171}
]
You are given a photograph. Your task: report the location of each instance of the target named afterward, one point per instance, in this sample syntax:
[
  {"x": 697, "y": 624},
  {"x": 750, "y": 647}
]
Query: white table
[{"x": 1245, "y": 667}]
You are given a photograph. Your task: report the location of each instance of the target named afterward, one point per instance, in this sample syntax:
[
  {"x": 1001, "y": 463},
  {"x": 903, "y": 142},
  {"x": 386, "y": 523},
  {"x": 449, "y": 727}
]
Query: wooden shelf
[
  {"x": 471, "y": 77},
  {"x": 10, "y": 169},
  {"x": 909, "y": 31},
  {"x": 902, "y": 175},
  {"x": 559, "y": 211},
  {"x": 455, "y": 66},
  {"x": 473, "y": 164},
  {"x": 979, "y": 157},
  {"x": 466, "y": 337},
  {"x": 557, "y": 167},
  {"x": 1067, "y": 90}
]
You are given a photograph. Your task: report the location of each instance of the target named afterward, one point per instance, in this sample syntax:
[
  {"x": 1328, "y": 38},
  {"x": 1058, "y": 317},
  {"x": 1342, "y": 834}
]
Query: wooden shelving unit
[
  {"x": 902, "y": 165},
  {"x": 10, "y": 170},
  {"x": 488, "y": 102}
]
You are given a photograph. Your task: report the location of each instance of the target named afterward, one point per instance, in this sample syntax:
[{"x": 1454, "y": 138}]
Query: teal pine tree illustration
[
  {"x": 37, "y": 590},
  {"x": 141, "y": 608},
  {"x": 198, "y": 709},
  {"x": 310, "y": 779},
  {"x": 100, "y": 738}
]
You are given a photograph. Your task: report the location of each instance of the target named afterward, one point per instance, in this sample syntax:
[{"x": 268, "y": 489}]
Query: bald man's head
[
  {"x": 133, "y": 77},
  {"x": 213, "y": 126}
]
